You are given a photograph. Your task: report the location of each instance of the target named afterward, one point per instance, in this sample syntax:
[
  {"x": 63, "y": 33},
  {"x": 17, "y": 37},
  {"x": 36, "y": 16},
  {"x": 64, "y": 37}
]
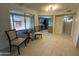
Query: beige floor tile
[{"x": 51, "y": 45}]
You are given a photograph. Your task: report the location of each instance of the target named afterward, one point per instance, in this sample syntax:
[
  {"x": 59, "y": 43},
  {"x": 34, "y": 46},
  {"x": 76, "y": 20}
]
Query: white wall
[
  {"x": 75, "y": 28},
  {"x": 4, "y": 25},
  {"x": 5, "y": 22}
]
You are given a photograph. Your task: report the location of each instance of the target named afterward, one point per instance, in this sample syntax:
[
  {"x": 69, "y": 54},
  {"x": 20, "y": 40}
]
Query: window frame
[{"x": 24, "y": 15}]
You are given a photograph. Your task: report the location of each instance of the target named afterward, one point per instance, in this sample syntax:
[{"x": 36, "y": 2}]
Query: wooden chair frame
[{"x": 18, "y": 46}]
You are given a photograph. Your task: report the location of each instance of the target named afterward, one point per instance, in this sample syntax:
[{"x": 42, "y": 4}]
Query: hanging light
[{"x": 51, "y": 8}]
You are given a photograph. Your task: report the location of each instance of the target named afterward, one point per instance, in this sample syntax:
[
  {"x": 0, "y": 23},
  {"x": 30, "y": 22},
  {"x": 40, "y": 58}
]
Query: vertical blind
[{"x": 21, "y": 22}]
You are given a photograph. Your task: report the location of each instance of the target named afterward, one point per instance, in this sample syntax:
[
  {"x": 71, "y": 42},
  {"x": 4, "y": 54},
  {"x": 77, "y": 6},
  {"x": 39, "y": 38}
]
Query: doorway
[
  {"x": 67, "y": 24},
  {"x": 45, "y": 23}
]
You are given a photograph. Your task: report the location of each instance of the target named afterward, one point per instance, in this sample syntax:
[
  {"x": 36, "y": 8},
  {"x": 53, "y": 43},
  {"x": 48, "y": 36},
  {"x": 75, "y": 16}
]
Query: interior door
[{"x": 58, "y": 24}]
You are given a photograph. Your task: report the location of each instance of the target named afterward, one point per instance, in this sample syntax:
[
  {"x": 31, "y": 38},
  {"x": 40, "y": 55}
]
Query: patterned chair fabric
[{"x": 14, "y": 40}]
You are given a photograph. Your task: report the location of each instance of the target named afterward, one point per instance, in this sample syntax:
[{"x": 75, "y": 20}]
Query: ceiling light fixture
[{"x": 51, "y": 8}]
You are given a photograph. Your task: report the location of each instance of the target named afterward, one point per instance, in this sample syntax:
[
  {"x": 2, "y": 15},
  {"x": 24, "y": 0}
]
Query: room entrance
[
  {"x": 45, "y": 23},
  {"x": 67, "y": 24}
]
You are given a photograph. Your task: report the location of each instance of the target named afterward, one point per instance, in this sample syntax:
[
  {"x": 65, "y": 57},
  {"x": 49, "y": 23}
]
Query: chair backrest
[{"x": 11, "y": 34}]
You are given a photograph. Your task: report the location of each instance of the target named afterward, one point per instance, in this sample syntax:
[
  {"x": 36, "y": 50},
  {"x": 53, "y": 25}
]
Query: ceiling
[{"x": 41, "y": 7}]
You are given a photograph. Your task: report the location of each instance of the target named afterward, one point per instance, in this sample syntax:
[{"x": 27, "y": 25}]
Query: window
[
  {"x": 21, "y": 22},
  {"x": 28, "y": 22}
]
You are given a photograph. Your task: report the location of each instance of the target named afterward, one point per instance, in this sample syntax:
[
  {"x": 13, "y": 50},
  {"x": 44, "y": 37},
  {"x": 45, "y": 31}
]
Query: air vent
[
  {"x": 69, "y": 11},
  {"x": 21, "y": 4}
]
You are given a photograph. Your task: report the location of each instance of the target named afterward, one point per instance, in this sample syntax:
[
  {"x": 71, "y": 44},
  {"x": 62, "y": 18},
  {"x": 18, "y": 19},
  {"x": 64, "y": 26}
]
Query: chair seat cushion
[
  {"x": 17, "y": 41},
  {"x": 38, "y": 33}
]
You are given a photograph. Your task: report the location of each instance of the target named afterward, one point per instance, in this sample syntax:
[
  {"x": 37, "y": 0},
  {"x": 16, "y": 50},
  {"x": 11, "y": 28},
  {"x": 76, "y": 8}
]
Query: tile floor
[{"x": 49, "y": 45}]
